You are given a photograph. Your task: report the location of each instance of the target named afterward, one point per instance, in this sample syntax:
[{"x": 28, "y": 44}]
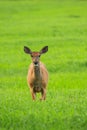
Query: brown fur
[
  {"x": 37, "y": 77},
  {"x": 37, "y": 82}
]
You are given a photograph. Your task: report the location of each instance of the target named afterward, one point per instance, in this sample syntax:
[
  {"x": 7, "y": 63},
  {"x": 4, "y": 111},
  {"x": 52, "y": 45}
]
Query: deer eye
[{"x": 31, "y": 55}]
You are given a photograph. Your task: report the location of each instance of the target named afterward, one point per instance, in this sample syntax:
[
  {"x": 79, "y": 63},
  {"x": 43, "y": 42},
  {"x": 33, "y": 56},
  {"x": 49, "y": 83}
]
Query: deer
[{"x": 37, "y": 77}]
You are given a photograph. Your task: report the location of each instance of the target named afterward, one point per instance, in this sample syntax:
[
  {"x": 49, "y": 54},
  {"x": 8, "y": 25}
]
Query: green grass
[{"x": 62, "y": 25}]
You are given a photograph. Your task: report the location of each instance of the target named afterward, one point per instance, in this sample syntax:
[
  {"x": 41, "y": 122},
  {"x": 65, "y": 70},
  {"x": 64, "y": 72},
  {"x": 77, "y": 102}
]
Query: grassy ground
[{"x": 62, "y": 25}]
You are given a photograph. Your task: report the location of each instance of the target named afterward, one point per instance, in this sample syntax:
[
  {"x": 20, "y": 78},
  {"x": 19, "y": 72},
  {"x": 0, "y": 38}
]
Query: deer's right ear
[{"x": 27, "y": 50}]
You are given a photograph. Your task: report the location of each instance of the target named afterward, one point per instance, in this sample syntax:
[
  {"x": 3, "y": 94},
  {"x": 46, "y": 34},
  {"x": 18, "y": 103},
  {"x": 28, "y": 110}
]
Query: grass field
[{"x": 62, "y": 25}]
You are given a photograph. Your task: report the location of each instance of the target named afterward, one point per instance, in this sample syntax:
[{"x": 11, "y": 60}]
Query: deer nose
[{"x": 35, "y": 62}]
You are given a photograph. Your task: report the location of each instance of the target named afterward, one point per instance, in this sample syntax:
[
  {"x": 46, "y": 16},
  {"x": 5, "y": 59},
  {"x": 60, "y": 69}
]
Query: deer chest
[{"x": 37, "y": 86}]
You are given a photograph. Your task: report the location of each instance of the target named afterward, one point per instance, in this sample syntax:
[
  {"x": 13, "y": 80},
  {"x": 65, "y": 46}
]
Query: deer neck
[{"x": 37, "y": 72}]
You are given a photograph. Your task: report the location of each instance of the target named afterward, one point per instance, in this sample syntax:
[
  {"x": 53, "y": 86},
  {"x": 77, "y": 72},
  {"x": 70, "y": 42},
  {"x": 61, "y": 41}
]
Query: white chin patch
[{"x": 36, "y": 65}]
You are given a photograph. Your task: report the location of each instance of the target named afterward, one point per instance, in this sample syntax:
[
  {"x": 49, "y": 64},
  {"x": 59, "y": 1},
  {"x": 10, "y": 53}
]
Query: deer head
[{"x": 35, "y": 55}]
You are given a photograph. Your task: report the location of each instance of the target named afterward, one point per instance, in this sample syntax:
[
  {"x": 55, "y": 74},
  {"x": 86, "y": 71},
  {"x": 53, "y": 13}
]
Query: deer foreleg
[
  {"x": 33, "y": 94},
  {"x": 43, "y": 93}
]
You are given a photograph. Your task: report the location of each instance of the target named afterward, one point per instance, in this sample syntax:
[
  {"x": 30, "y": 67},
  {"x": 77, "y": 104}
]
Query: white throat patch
[{"x": 36, "y": 65}]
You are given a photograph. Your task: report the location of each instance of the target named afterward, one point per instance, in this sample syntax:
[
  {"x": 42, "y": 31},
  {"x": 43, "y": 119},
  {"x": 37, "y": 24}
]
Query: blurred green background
[{"x": 62, "y": 25}]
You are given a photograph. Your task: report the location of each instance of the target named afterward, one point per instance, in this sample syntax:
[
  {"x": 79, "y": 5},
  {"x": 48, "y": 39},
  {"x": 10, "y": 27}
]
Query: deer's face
[
  {"x": 35, "y": 58},
  {"x": 35, "y": 55}
]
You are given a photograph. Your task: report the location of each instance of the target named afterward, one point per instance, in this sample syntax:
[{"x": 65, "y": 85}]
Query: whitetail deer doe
[{"x": 37, "y": 77}]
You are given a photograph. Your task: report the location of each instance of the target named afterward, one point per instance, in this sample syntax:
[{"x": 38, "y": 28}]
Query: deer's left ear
[{"x": 44, "y": 50}]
